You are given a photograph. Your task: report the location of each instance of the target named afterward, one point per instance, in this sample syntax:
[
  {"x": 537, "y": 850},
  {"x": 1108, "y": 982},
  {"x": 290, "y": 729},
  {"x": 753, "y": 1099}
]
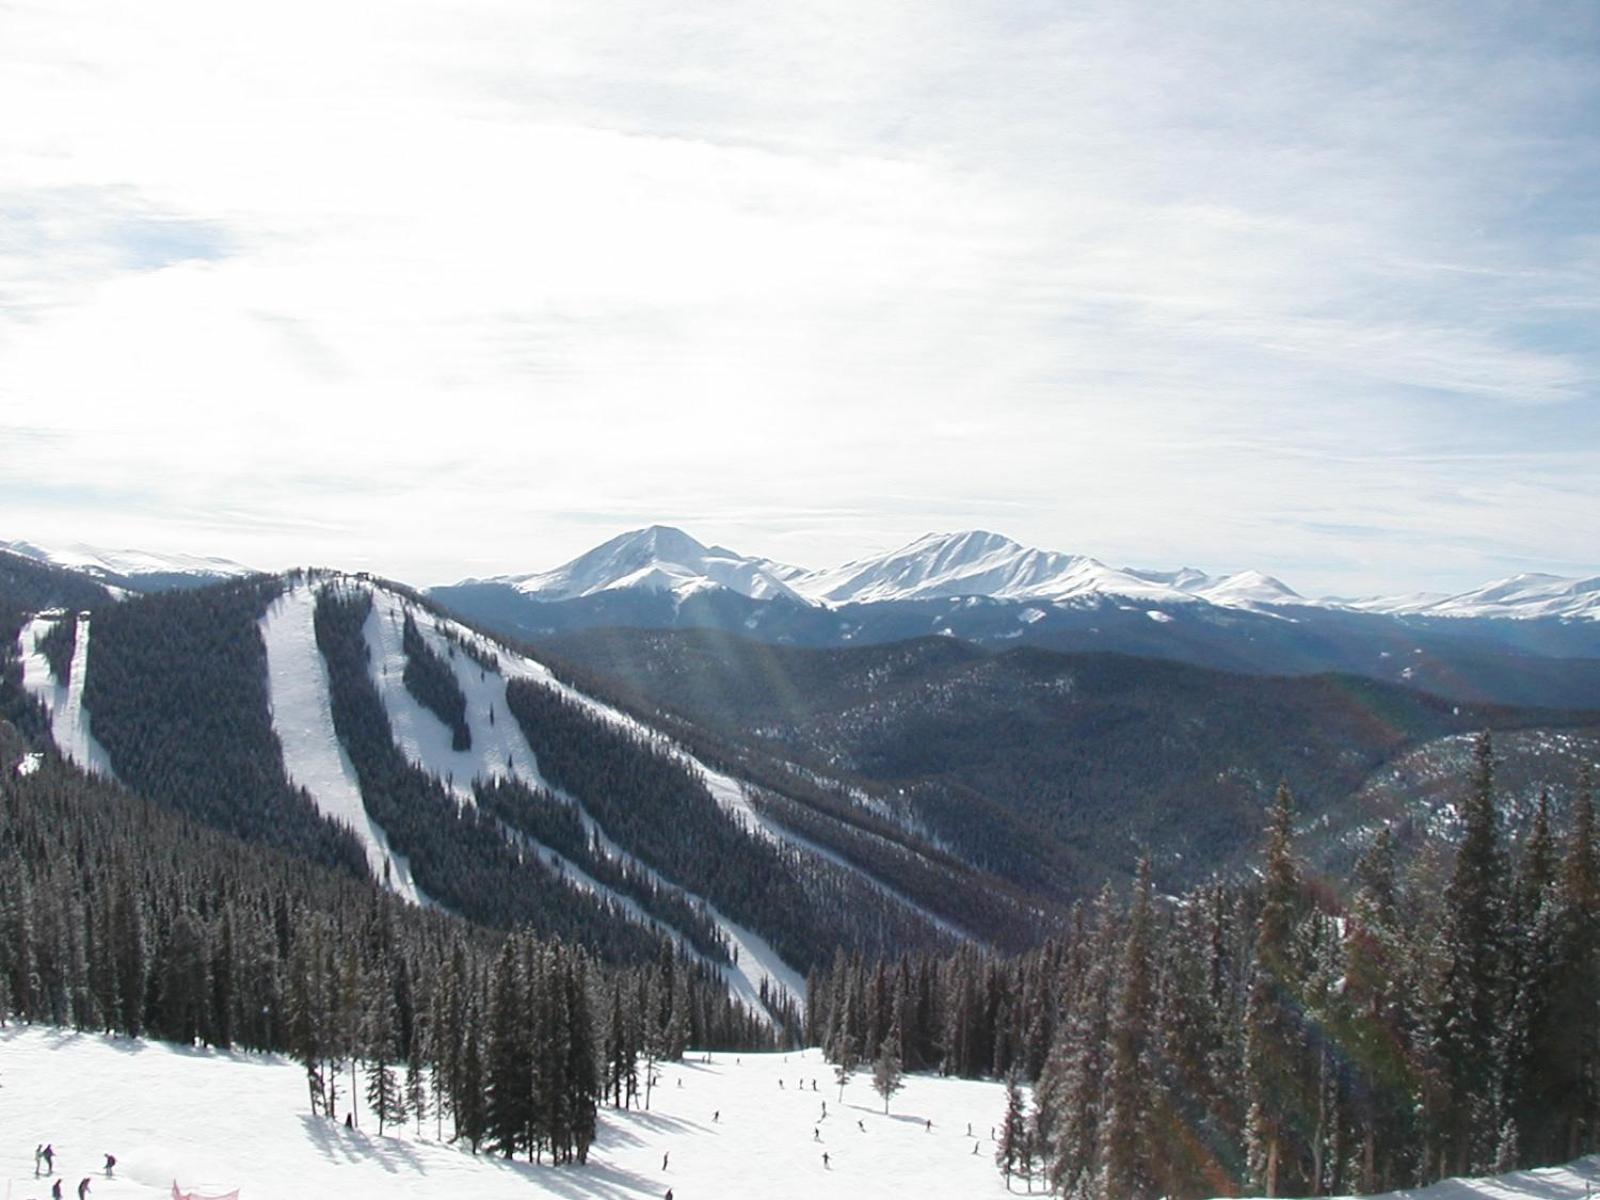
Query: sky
[{"x": 450, "y": 288}]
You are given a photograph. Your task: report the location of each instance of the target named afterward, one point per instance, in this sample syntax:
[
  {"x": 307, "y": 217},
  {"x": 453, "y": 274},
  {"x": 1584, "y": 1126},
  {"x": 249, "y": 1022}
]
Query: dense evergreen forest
[
  {"x": 1048, "y": 769},
  {"x": 656, "y": 808},
  {"x": 177, "y": 691},
  {"x": 120, "y": 915},
  {"x": 1270, "y": 1038},
  {"x": 430, "y": 679}
]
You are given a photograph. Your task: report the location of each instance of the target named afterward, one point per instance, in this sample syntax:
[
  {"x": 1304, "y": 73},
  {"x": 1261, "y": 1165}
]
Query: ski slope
[
  {"x": 302, "y": 717},
  {"x": 69, "y": 720},
  {"x": 499, "y": 749},
  {"x": 315, "y": 760},
  {"x": 214, "y": 1121}
]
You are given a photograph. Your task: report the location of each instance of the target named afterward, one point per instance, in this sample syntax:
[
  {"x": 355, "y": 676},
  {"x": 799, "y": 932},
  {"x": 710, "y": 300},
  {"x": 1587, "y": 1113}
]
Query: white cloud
[{"x": 418, "y": 289}]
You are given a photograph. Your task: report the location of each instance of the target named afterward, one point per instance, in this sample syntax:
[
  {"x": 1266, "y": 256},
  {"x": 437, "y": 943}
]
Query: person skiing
[
  {"x": 55, "y": 1190},
  {"x": 824, "y": 1160},
  {"x": 38, "y": 1153},
  {"x": 860, "y": 1126},
  {"x": 664, "y": 1155},
  {"x": 49, "y": 1156},
  {"x": 83, "y": 1187},
  {"x": 928, "y": 1126},
  {"x": 716, "y": 1116},
  {"x": 111, "y": 1162}
]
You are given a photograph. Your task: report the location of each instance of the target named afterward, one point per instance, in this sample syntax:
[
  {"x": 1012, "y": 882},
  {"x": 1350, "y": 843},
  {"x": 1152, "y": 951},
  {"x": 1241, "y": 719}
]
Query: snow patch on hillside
[
  {"x": 69, "y": 720},
  {"x": 302, "y": 717}
]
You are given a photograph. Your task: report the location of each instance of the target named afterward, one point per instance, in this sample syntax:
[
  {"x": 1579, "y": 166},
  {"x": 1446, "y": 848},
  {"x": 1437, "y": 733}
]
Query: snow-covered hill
[
  {"x": 731, "y": 1127},
  {"x": 1521, "y": 597},
  {"x": 139, "y": 569}
]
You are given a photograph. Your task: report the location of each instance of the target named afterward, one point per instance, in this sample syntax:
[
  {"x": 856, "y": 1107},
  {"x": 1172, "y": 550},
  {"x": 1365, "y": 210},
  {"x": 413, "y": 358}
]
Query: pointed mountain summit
[
  {"x": 658, "y": 558},
  {"x": 979, "y": 563}
]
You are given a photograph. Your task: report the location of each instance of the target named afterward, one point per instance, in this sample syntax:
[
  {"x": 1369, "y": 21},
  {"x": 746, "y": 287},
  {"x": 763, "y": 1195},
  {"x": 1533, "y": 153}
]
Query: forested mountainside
[
  {"x": 348, "y": 721},
  {"x": 1285, "y": 1034},
  {"x": 1055, "y": 770},
  {"x": 119, "y": 914}
]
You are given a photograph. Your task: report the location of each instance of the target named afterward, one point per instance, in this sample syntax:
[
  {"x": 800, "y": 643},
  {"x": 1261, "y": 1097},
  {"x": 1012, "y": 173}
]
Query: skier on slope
[
  {"x": 111, "y": 1163},
  {"x": 55, "y": 1190},
  {"x": 83, "y": 1187},
  {"x": 49, "y": 1156}
]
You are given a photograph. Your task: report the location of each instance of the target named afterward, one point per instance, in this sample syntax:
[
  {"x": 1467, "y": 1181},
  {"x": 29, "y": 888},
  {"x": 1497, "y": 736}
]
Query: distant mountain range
[
  {"x": 1532, "y": 639},
  {"x": 987, "y": 565},
  {"x": 135, "y": 570}
]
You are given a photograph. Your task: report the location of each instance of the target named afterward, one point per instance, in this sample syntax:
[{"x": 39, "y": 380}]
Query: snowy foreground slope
[{"x": 215, "y": 1121}]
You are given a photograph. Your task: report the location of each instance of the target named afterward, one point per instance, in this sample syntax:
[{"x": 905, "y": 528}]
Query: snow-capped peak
[
  {"x": 978, "y": 563},
  {"x": 130, "y": 565},
  {"x": 658, "y": 558},
  {"x": 1520, "y": 597}
]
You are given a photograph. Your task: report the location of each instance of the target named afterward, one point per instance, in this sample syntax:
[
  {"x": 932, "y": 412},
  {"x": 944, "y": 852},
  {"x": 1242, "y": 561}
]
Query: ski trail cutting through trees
[
  {"x": 499, "y": 750},
  {"x": 302, "y": 717},
  {"x": 69, "y": 720}
]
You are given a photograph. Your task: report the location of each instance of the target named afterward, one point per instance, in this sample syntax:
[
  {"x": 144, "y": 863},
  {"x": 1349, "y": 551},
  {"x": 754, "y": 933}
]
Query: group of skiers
[{"x": 45, "y": 1154}]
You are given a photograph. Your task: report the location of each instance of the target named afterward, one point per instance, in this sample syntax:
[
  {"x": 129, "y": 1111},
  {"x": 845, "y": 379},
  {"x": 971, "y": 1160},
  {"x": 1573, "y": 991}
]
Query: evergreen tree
[
  {"x": 1474, "y": 993},
  {"x": 888, "y": 1072},
  {"x": 1128, "y": 1166},
  {"x": 1012, "y": 1153},
  {"x": 1275, "y": 1063}
]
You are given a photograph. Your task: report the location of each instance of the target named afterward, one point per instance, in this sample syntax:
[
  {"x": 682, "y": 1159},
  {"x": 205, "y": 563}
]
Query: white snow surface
[
  {"x": 98, "y": 561},
  {"x": 213, "y": 1121},
  {"x": 1521, "y": 597},
  {"x": 69, "y": 720},
  {"x": 302, "y": 717}
]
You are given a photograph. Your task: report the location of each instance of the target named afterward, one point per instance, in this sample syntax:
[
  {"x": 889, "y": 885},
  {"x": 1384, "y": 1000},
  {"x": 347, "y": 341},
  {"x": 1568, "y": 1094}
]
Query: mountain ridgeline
[{"x": 1529, "y": 640}]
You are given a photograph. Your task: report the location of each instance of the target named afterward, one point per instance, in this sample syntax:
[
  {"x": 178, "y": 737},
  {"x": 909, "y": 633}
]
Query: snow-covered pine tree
[
  {"x": 1474, "y": 993},
  {"x": 1128, "y": 1154},
  {"x": 1276, "y": 1071},
  {"x": 888, "y": 1071},
  {"x": 1069, "y": 1098},
  {"x": 416, "y": 1090},
  {"x": 1011, "y": 1152},
  {"x": 843, "y": 1055},
  {"x": 508, "y": 1069},
  {"x": 380, "y": 1048}
]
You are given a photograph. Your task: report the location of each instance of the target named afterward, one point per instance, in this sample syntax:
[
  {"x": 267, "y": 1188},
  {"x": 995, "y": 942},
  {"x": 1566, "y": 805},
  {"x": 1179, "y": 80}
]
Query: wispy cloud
[{"x": 1311, "y": 289}]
